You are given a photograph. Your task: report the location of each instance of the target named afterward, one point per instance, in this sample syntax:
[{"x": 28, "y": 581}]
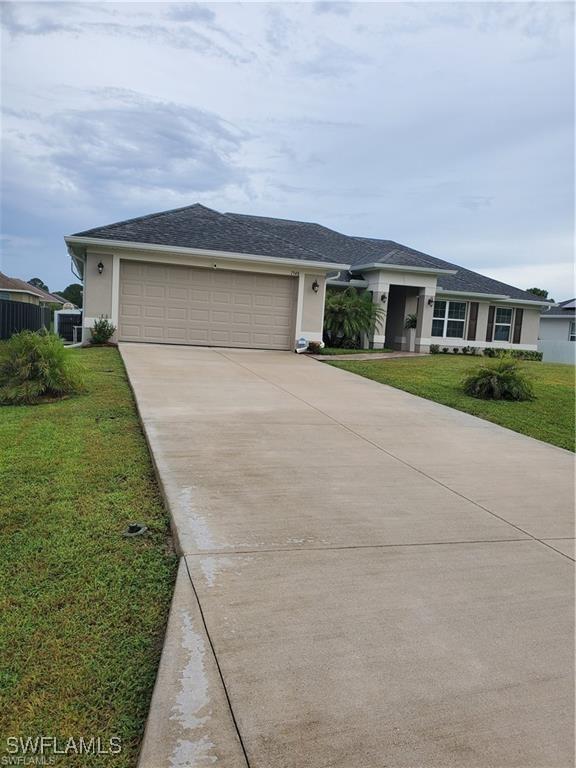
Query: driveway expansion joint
[
  {"x": 216, "y": 661},
  {"x": 392, "y": 455}
]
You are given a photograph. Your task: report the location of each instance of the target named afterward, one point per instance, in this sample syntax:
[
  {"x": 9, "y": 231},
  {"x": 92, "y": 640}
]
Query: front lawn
[
  {"x": 344, "y": 351},
  {"x": 550, "y": 417},
  {"x": 83, "y": 609}
]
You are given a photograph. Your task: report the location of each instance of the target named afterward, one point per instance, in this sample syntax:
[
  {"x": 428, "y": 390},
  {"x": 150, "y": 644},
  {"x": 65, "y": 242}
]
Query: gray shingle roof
[
  {"x": 564, "y": 309},
  {"x": 366, "y": 250},
  {"x": 196, "y": 226}
]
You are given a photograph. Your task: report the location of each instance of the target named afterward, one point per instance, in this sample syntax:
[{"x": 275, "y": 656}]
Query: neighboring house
[
  {"x": 557, "y": 337},
  {"x": 197, "y": 276},
  {"x": 13, "y": 289}
]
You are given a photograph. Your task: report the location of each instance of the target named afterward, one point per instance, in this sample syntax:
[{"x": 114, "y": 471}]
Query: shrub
[
  {"x": 499, "y": 381},
  {"x": 411, "y": 321},
  {"x": 445, "y": 350},
  {"x": 525, "y": 354},
  {"x": 455, "y": 350},
  {"x": 102, "y": 330},
  {"x": 466, "y": 350},
  {"x": 36, "y": 366},
  {"x": 314, "y": 347},
  {"x": 348, "y": 314},
  {"x": 490, "y": 352},
  {"x": 434, "y": 349}
]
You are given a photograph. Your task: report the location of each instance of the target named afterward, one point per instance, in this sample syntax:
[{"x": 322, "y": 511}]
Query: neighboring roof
[
  {"x": 562, "y": 309},
  {"x": 20, "y": 286},
  {"x": 364, "y": 250},
  {"x": 196, "y": 226}
]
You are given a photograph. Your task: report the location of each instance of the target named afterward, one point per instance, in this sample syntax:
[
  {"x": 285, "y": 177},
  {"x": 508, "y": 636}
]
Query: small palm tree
[
  {"x": 348, "y": 314},
  {"x": 503, "y": 380}
]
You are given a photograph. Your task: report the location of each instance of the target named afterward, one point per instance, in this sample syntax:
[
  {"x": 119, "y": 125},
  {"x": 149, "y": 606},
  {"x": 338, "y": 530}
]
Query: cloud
[
  {"x": 331, "y": 60},
  {"x": 41, "y": 19},
  {"x": 475, "y": 202},
  {"x": 42, "y": 25},
  {"x": 339, "y": 9},
  {"x": 191, "y": 12},
  {"x": 130, "y": 144}
]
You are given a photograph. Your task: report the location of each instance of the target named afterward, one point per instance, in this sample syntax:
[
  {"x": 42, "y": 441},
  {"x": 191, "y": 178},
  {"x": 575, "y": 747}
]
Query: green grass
[
  {"x": 550, "y": 417},
  {"x": 343, "y": 351},
  {"x": 83, "y": 609}
]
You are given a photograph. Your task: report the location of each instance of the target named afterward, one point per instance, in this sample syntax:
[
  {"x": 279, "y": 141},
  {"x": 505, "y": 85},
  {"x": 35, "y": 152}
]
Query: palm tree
[{"x": 348, "y": 314}]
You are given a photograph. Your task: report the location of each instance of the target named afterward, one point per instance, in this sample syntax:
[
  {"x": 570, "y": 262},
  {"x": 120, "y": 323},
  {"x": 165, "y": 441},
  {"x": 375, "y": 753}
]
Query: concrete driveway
[{"x": 370, "y": 579}]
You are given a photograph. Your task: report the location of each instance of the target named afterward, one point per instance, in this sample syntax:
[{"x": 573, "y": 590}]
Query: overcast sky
[{"x": 446, "y": 127}]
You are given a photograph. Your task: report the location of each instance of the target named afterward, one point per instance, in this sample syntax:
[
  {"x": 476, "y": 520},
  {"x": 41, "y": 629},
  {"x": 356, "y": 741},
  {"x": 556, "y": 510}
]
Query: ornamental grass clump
[
  {"x": 35, "y": 367},
  {"x": 503, "y": 380}
]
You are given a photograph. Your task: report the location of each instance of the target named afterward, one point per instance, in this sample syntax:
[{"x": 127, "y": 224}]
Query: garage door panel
[
  {"x": 176, "y": 293},
  {"x": 190, "y": 305},
  {"x": 176, "y": 313}
]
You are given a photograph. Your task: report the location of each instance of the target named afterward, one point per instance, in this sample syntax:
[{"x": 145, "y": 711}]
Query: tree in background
[
  {"x": 38, "y": 283},
  {"x": 73, "y": 294},
  {"x": 538, "y": 292}
]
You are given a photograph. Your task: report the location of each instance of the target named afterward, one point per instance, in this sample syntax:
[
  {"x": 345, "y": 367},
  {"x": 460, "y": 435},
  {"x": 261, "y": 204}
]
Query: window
[
  {"x": 448, "y": 319},
  {"x": 572, "y": 331},
  {"x": 5, "y": 295},
  {"x": 502, "y": 324}
]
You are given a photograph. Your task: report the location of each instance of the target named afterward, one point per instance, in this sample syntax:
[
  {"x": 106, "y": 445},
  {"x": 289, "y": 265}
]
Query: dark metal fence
[{"x": 18, "y": 316}]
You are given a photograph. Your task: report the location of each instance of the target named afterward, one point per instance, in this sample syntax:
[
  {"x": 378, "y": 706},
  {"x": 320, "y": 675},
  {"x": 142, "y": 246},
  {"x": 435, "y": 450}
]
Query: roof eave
[
  {"x": 401, "y": 268},
  {"x": 72, "y": 240}
]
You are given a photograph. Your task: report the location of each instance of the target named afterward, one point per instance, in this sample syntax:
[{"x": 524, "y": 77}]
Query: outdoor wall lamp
[
  {"x": 100, "y": 267},
  {"x": 315, "y": 286},
  {"x": 384, "y": 298},
  {"x": 430, "y": 301}
]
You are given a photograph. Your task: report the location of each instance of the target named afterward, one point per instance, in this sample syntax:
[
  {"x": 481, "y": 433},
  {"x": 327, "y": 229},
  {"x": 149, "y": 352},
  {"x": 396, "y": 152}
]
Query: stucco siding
[
  {"x": 313, "y": 307},
  {"x": 530, "y": 326},
  {"x": 98, "y": 287}
]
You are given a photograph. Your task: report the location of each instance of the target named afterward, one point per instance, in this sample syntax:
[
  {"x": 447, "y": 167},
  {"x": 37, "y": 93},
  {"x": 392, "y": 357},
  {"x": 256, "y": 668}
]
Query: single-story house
[
  {"x": 197, "y": 276},
  {"x": 13, "y": 289},
  {"x": 557, "y": 337}
]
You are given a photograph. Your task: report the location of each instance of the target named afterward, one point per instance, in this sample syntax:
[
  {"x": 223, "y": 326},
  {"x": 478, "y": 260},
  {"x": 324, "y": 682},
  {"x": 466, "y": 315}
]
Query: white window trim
[
  {"x": 451, "y": 319},
  {"x": 510, "y": 325},
  {"x": 572, "y": 331}
]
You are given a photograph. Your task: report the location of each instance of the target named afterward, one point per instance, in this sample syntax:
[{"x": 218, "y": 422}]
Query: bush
[
  {"x": 102, "y": 330},
  {"x": 517, "y": 354},
  {"x": 466, "y": 350},
  {"x": 499, "y": 381},
  {"x": 348, "y": 314},
  {"x": 314, "y": 347},
  {"x": 434, "y": 349},
  {"x": 526, "y": 354},
  {"x": 411, "y": 321},
  {"x": 455, "y": 350},
  {"x": 445, "y": 350},
  {"x": 37, "y": 366}
]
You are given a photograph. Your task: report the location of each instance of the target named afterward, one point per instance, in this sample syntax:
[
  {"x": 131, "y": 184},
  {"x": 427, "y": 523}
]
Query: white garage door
[{"x": 189, "y": 305}]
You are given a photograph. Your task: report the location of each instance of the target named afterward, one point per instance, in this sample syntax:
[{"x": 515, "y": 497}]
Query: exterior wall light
[
  {"x": 430, "y": 301},
  {"x": 384, "y": 298},
  {"x": 315, "y": 286},
  {"x": 100, "y": 267}
]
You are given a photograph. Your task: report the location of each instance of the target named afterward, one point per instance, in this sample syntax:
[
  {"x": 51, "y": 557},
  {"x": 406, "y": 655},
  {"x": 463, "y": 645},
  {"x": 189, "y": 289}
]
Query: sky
[{"x": 448, "y": 127}]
